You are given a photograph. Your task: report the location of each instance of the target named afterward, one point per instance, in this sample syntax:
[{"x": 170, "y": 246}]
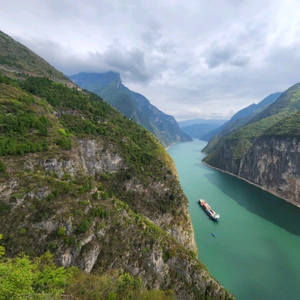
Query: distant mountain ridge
[
  {"x": 133, "y": 105},
  {"x": 199, "y": 131},
  {"x": 201, "y": 121},
  {"x": 247, "y": 111},
  {"x": 239, "y": 119}
]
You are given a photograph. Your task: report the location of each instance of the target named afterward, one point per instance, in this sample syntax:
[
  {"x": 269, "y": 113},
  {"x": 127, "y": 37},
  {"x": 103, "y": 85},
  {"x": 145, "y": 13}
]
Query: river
[{"x": 255, "y": 253}]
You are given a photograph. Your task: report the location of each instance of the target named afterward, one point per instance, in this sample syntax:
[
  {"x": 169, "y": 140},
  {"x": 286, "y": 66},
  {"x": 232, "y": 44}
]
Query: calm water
[{"x": 256, "y": 251}]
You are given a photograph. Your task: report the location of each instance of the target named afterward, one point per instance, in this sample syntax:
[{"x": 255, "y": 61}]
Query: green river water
[{"x": 255, "y": 253}]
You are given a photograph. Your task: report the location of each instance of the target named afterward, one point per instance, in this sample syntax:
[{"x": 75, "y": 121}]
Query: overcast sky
[{"x": 191, "y": 59}]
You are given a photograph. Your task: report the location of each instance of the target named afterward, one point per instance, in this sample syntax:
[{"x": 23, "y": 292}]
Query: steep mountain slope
[
  {"x": 273, "y": 160},
  {"x": 239, "y": 119},
  {"x": 265, "y": 151},
  {"x": 133, "y": 105},
  {"x": 19, "y": 59},
  {"x": 93, "y": 187}
]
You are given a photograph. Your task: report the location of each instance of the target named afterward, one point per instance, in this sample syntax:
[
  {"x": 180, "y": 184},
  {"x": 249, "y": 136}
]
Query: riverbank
[
  {"x": 252, "y": 183},
  {"x": 166, "y": 148},
  {"x": 255, "y": 251}
]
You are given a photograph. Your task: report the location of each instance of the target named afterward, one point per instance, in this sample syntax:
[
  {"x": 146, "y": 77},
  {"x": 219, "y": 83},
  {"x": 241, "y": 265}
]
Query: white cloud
[{"x": 197, "y": 58}]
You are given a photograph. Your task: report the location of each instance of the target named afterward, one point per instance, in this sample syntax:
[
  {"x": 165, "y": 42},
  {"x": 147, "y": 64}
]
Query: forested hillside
[
  {"x": 99, "y": 192},
  {"x": 133, "y": 105}
]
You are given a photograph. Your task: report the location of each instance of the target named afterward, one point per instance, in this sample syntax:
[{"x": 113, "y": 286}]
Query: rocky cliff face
[
  {"x": 115, "y": 238},
  {"x": 274, "y": 164}
]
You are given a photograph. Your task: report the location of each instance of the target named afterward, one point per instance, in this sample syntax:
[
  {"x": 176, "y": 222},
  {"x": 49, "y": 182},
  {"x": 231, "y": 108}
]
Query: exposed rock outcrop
[
  {"x": 107, "y": 245},
  {"x": 274, "y": 165}
]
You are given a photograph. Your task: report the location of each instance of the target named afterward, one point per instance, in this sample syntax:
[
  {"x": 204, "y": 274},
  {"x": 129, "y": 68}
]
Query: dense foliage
[
  {"x": 288, "y": 127},
  {"x": 84, "y": 114},
  {"x": 21, "y": 278}
]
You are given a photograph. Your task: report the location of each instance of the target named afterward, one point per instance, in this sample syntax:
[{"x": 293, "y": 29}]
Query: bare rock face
[
  {"x": 96, "y": 160},
  {"x": 274, "y": 165},
  {"x": 224, "y": 160},
  {"x": 90, "y": 158}
]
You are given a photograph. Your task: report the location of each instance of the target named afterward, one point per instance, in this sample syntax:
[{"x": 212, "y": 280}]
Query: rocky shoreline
[{"x": 252, "y": 183}]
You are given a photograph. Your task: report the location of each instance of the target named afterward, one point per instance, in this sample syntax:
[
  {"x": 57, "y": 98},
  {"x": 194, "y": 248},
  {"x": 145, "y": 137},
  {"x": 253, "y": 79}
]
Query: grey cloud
[
  {"x": 198, "y": 58},
  {"x": 284, "y": 63},
  {"x": 235, "y": 2},
  {"x": 233, "y": 50},
  {"x": 240, "y": 61},
  {"x": 129, "y": 62},
  {"x": 252, "y": 32},
  {"x": 153, "y": 35},
  {"x": 167, "y": 47},
  {"x": 218, "y": 55},
  {"x": 62, "y": 7},
  {"x": 182, "y": 67},
  {"x": 284, "y": 56},
  {"x": 124, "y": 9},
  {"x": 225, "y": 56}
]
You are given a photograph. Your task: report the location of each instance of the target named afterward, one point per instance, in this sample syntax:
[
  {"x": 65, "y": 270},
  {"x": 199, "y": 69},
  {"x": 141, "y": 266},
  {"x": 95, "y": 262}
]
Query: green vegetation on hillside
[
  {"x": 26, "y": 128},
  {"x": 82, "y": 185},
  {"x": 238, "y": 120},
  {"x": 16, "y": 57},
  {"x": 23, "y": 279},
  {"x": 241, "y": 140},
  {"x": 46, "y": 121},
  {"x": 91, "y": 116},
  {"x": 133, "y": 105},
  {"x": 288, "y": 127}
]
